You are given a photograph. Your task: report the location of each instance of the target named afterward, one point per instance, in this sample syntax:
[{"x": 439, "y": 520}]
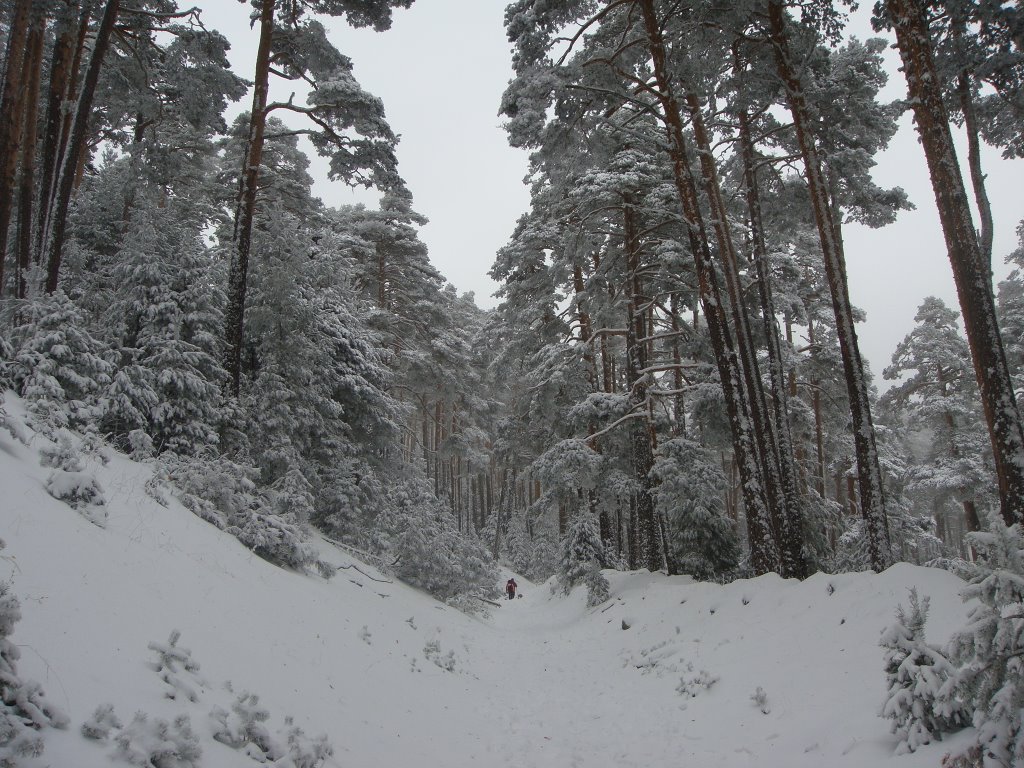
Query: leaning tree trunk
[
  {"x": 764, "y": 555},
  {"x": 238, "y": 274},
  {"x": 868, "y": 468},
  {"x": 74, "y": 153},
  {"x": 971, "y": 271},
  {"x": 12, "y": 100}
]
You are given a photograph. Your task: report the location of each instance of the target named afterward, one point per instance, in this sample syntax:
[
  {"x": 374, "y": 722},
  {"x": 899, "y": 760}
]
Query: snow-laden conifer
[
  {"x": 920, "y": 701},
  {"x": 989, "y": 650},
  {"x": 581, "y": 558},
  {"x": 690, "y": 489},
  {"x": 59, "y": 366},
  {"x": 24, "y": 710}
]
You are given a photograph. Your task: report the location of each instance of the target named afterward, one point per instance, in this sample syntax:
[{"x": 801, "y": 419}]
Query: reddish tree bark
[
  {"x": 869, "y": 472},
  {"x": 971, "y": 271},
  {"x": 11, "y": 103},
  {"x": 74, "y": 155},
  {"x": 764, "y": 555}
]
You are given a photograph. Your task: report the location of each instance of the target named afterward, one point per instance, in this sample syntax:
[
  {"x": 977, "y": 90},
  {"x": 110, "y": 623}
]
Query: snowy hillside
[{"x": 664, "y": 674}]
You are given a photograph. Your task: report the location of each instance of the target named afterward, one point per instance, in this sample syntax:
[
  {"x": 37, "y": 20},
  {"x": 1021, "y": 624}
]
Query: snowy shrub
[
  {"x": 81, "y": 492},
  {"x": 302, "y": 751},
  {"x": 365, "y": 634},
  {"x": 693, "y": 684},
  {"x": 102, "y": 722},
  {"x": 432, "y": 651},
  {"x": 920, "y": 681},
  {"x": 62, "y": 454},
  {"x": 760, "y": 699},
  {"x": 140, "y": 445},
  {"x": 421, "y": 537},
  {"x": 15, "y": 427},
  {"x": 224, "y": 493},
  {"x": 989, "y": 651},
  {"x": 24, "y": 710},
  {"x": 244, "y": 728},
  {"x": 243, "y": 725},
  {"x": 158, "y": 744},
  {"x": 598, "y": 588},
  {"x": 174, "y": 663}
]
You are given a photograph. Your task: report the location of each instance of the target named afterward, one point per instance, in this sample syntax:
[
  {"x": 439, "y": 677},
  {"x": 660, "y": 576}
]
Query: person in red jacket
[{"x": 510, "y": 588}]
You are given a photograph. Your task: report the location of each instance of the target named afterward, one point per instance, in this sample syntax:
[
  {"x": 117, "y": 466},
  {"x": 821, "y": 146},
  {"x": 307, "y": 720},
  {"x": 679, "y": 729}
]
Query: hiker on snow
[{"x": 510, "y": 588}]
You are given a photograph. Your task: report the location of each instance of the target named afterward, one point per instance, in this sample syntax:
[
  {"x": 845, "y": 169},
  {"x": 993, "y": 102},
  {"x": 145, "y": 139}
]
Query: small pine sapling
[
  {"x": 920, "y": 681},
  {"x": 693, "y": 684},
  {"x": 81, "y": 492},
  {"x": 432, "y": 651},
  {"x": 147, "y": 743},
  {"x": 989, "y": 651},
  {"x": 760, "y": 699},
  {"x": 243, "y": 725},
  {"x": 172, "y": 662},
  {"x": 103, "y": 721},
  {"x": 62, "y": 454}
]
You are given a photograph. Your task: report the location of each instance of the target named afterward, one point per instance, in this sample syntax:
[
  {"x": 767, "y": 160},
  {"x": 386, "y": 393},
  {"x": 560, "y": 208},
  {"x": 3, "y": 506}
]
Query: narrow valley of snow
[{"x": 666, "y": 673}]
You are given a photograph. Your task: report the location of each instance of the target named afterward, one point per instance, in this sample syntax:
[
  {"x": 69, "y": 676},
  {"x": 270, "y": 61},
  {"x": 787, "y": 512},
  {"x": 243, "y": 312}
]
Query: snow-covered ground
[{"x": 664, "y": 674}]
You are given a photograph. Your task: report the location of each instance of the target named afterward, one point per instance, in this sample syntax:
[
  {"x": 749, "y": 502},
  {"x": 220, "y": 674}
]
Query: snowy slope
[{"x": 394, "y": 678}]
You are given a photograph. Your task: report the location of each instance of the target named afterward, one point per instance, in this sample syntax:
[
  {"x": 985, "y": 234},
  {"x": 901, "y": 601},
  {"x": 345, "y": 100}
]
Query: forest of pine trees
[{"x": 672, "y": 379}]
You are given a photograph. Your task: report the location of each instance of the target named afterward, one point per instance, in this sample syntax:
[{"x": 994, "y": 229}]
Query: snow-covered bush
[
  {"x": 224, "y": 493},
  {"x": 419, "y": 534},
  {"x": 158, "y": 744},
  {"x": 244, "y": 725},
  {"x": 62, "y": 454},
  {"x": 103, "y": 721},
  {"x": 989, "y": 651},
  {"x": 920, "y": 699},
  {"x": 760, "y": 699},
  {"x": 432, "y": 651},
  {"x": 172, "y": 665},
  {"x": 979, "y": 674},
  {"x": 244, "y": 728},
  {"x": 81, "y": 492},
  {"x": 24, "y": 710},
  {"x": 692, "y": 684}
]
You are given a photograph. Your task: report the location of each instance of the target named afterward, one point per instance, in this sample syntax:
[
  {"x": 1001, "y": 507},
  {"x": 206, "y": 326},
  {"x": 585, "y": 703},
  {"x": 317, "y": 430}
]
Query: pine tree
[{"x": 920, "y": 679}]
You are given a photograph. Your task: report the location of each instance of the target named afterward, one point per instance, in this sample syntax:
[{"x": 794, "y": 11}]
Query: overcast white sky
[{"x": 441, "y": 70}]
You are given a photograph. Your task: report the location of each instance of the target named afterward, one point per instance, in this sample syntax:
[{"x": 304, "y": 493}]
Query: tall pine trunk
[
  {"x": 791, "y": 533},
  {"x": 646, "y": 552},
  {"x": 784, "y": 503},
  {"x": 764, "y": 555},
  {"x": 12, "y": 101},
  {"x": 74, "y": 154},
  {"x": 868, "y": 468},
  {"x": 26, "y": 192},
  {"x": 67, "y": 53},
  {"x": 238, "y": 274},
  {"x": 971, "y": 271}
]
